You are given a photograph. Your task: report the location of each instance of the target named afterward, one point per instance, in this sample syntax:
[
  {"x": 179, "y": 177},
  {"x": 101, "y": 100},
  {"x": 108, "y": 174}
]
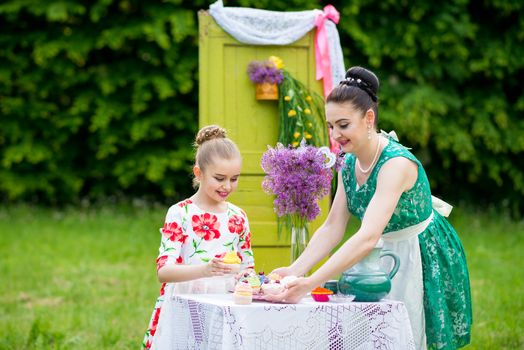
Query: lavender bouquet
[
  {"x": 298, "y": 178},
  {"x": 269, "y": 71}
]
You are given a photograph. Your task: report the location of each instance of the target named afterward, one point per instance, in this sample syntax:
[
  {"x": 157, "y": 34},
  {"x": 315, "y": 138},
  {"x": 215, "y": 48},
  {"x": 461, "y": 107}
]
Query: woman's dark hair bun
[{"x": 366, "y": 76}]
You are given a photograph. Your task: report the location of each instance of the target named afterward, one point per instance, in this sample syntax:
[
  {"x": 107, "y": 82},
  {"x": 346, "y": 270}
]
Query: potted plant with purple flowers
[
  {"x": 266, "y": 75},
  {"x": 298, "y": 178}
]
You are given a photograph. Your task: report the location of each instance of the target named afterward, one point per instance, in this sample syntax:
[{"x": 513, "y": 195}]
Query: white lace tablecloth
[{"x": 213, "y": 321}]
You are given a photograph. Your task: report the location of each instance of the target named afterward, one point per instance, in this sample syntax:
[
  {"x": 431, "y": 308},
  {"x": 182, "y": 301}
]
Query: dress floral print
[
  {"x": 205, "y": 226},
  {"x": 193, "y": 236},
  {"x": 236, "y": 224}
]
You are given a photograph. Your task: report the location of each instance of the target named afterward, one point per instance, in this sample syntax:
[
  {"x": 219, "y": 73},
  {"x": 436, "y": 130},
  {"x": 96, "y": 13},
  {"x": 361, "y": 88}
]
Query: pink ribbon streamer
[
  {"x": 322, "y": 56},
  {"x": 322, "y": 47}
]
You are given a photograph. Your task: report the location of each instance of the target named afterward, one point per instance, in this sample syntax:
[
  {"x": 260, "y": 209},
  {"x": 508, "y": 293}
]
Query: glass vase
[{"x": 299, "y": 239}]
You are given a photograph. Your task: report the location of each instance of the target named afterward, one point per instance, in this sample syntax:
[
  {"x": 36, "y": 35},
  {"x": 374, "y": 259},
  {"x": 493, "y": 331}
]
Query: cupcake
[
  {"x": 231, "y": 258},
  {"x": 263, "y": 278},
  {"x": 243, "y": 294},
  {"x": 246, "y": 273},
  {"x": 254, "y": 282},
  {"x": 274, "y": 276},
  {"x": 287, "y": 279},
  {"x": 272, "y": 288}
]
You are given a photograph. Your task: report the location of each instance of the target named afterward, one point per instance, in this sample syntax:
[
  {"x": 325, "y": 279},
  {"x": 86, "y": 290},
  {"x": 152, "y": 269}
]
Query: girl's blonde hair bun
[{"x": 208, "y": 133}]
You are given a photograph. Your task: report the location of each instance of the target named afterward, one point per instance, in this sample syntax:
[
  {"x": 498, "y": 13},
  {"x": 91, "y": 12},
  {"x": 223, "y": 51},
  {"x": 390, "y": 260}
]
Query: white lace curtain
[{"x": 262, "y": 27}]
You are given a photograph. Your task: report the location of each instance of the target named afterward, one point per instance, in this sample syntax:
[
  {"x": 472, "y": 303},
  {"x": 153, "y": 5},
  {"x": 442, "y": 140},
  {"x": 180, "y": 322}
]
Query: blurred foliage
[
  {"x": 450, "y": 86},
  {"x": 97, "y": 98},
  {"x": 100, "y": 98}
]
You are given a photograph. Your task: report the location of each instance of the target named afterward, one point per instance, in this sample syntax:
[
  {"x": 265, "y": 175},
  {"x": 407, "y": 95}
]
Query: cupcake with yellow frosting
[
  {"x": 243, "y": 294},
  {"x": 232, "y": 258}
]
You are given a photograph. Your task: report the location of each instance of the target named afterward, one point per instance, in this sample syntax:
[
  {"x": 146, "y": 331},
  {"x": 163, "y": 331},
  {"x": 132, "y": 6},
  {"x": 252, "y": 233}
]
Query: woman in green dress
[{"x": 386, "y": 187}]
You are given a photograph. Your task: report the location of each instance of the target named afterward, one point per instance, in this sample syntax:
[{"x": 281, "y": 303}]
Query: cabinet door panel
[{"x": 227, "y": 98}]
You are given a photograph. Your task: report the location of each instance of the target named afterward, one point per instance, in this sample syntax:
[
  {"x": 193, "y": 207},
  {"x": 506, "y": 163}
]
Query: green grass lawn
[{"x": 85, "y": 278}]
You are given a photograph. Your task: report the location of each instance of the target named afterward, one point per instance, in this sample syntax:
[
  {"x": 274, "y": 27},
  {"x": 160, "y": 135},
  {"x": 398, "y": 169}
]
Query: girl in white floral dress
[{"x": 199, "y": 231}]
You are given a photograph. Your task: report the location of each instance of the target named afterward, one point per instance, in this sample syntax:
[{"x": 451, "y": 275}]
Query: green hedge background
[{"x": 100, "y": 98}]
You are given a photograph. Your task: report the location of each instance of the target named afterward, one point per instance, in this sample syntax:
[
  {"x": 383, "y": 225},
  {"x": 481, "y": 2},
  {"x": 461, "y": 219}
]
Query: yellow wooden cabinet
[{"x": 227, "y": 98}]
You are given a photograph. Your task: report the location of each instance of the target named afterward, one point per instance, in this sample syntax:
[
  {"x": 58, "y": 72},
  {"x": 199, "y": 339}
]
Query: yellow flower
[
  {"x": 277, "y": 61},
  {"x": 296, "y": 135},
  {"x": 310, "y": 125},
  {"x": 308, "y": 98},
  {"x": 291, "y": 113},
  {"x": 307, "y": 111},
  {"x": 295, "y": 144},
  {"x": 307, "y": 135},
  {"x": 287, "y": 98}
]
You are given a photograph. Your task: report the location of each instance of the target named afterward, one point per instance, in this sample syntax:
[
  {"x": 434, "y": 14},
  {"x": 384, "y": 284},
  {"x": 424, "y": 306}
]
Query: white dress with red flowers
[{"x": 192, "y": 236}]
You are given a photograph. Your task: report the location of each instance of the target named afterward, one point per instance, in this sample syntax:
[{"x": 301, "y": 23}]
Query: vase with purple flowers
[
  {"x": 298, "y": 178},
  {"x": 299, "y": 239}
]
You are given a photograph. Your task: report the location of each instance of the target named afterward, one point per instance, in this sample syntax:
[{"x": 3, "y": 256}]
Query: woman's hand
[
  {"x": 284, "y": 271},
  {"x": 215, "y": 267},
  {"x": 293, "y": 293}
]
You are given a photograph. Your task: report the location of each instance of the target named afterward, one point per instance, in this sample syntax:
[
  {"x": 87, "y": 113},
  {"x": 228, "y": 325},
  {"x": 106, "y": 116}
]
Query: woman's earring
[{"x": 369, "y": 132}]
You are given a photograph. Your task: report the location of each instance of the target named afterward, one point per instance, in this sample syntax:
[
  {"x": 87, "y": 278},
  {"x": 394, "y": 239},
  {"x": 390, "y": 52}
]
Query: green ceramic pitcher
[{"x": 366, "y": 280}]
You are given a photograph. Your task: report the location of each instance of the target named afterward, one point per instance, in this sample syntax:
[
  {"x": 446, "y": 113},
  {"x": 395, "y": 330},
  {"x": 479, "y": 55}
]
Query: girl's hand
[
  {"x": 293, "y": 293},
  {"x": 215, "y": 267},
  {"x": 235, "y": 268}
]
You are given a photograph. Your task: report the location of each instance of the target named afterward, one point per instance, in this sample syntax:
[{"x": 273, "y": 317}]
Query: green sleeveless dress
[{"x": 447, "y": 297}]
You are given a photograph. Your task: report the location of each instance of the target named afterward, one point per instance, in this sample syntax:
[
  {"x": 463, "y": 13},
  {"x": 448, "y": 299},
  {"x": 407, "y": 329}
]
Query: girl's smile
[{"x": 217, "y": 181}]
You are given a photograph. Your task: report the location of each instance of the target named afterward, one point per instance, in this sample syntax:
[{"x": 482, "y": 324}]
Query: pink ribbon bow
[{"x": 322, "y": 48}]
